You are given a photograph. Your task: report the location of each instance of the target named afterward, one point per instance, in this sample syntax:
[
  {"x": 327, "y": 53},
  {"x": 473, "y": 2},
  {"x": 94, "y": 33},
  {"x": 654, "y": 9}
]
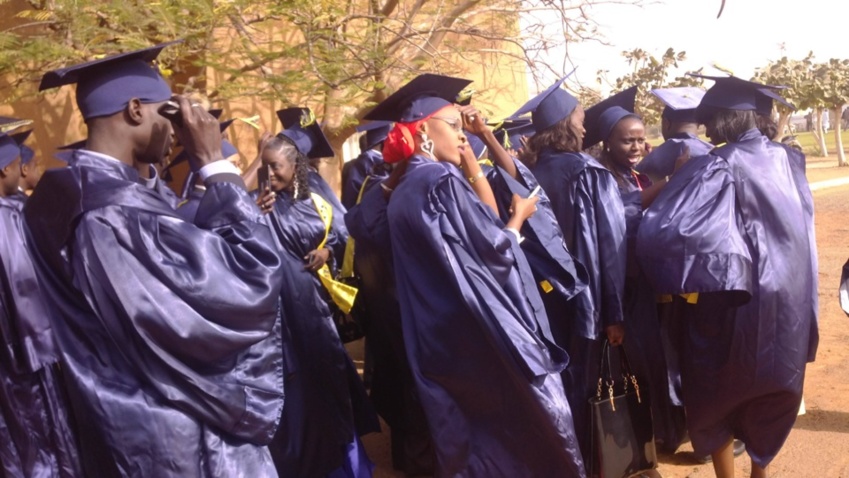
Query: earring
[{"x": 427, "y": 145}]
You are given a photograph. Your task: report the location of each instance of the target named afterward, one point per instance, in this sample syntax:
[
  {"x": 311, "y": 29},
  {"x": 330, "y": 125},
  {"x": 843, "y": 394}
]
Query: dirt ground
[{"x": 819, "y": 443}]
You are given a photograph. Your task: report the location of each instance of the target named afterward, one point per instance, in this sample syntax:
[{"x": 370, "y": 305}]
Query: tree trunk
[
  {"x": 783, "y": 122},
  {"x": 819, "y": 134},
  {"x": 838, "y": 140}
]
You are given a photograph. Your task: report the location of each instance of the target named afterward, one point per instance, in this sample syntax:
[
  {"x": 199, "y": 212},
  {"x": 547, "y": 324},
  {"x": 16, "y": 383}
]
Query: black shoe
[{"x": 739, "y": 449}]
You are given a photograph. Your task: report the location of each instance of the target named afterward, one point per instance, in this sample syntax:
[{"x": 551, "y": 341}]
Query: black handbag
[{"x": 622, "y": 441}]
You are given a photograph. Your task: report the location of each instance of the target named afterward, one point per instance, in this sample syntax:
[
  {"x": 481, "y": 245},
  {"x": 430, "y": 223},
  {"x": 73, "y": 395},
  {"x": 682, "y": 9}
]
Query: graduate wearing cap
[
  {"x": 654, "y": 360},
  {"x": 368, "y": 163},
  {"x": 588, "y": 208},
  {"x": 736, "y": 227},
  {"x": 327, "y": 407},
  {"x": 679, "y": 127},
  {"x": 167, "y": 330},
  {"x": 37, "y": 436},
  {"x": 473, "y": 322},
  {"x": 30, "y": 171}
]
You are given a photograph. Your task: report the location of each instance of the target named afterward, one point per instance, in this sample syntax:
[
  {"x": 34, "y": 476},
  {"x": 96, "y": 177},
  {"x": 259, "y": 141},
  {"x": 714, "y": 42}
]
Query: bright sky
[{"x": 748, "y": 35}]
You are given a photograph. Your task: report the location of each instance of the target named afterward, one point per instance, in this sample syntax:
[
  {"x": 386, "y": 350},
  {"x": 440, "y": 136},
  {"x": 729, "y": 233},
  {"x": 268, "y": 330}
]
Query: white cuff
[
  {"x": 218, "y": 167},
  {"x": 150, "y": 182},
  {"x": 519, "y": 237}
]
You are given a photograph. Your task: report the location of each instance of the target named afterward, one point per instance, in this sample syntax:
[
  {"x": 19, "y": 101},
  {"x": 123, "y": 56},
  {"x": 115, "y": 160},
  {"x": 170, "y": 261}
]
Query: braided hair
[{"x": 285, "y": 146}]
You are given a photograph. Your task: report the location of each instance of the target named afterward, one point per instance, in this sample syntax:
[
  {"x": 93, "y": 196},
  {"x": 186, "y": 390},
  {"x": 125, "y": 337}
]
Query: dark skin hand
[
  {"x": 650, "y": 193},
  {"x": 475, "y": 123},
  {"x": 266, "y": 199},
  {"x": 615, "y": 334},
  {"x": 199, "y": 134},
  {"x": 316, "y": 258},
  {"x": 520, "y": 210}
]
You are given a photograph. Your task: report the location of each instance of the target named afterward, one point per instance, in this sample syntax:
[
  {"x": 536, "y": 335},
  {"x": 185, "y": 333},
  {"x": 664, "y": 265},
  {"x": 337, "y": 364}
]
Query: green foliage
[
  {"x": 648, "y": 73},
  {"x": 339, "y": 56}
]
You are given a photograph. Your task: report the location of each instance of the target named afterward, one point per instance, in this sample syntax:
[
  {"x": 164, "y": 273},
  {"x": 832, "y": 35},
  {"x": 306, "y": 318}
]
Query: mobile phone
[
  {"x": 171, "y": 110},
  {"x": 262, "y": 178}
]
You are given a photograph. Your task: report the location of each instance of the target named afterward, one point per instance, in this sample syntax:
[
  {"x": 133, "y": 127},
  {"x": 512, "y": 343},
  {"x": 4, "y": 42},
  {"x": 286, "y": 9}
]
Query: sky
[{"x": 749, "y": 34}]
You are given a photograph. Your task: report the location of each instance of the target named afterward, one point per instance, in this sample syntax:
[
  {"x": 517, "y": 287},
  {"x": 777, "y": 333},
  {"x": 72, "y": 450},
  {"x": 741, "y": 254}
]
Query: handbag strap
[
  {"x": 605, "y": 359},
  {"x": 627, "y": 374}
]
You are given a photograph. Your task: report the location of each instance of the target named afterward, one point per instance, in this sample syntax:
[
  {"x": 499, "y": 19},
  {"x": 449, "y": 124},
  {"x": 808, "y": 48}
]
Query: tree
[
  {"x": 802, "y": 90},
  {"x": 649, "y": 73},
  {"x": 816, "y": 86},
  {"x": 338, "y": 56}
]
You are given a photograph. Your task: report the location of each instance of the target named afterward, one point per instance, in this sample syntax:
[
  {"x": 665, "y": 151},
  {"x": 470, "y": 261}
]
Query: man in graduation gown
[
  {"x": 679, "y": 128},
  {"x": 733, "y": 226},
  {"x": 169, "y": 331},
  {"x": 366, "y": 164},
  {"x": 37, "y": 437}
]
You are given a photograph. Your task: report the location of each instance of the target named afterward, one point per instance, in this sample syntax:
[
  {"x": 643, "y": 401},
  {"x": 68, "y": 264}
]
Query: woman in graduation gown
[
  {"x": 37, "y": 435},
  {"x": 473, "y": 323},
  {"x": 326, "y": 404},
  {"x": 733, "y": 227},
  {"x": 622, "y": 134},
  {"x": 586, "y": 202}
]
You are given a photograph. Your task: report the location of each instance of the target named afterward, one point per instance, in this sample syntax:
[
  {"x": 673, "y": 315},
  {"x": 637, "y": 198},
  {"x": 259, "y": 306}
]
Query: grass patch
[{"x": 809, "y": 143}]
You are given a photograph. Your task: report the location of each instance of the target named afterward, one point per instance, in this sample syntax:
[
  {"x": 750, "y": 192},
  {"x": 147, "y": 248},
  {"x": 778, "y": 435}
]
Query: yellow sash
[
  {"x": 343, "y": 295},
  {"x": 691, "y": 298},
  {"x": 347, "y": 271}
]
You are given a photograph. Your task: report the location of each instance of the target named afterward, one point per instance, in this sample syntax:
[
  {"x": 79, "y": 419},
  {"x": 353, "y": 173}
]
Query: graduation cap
[
  {"x": 680, "y": 103},
  {"x": 511, "y": 132},
  {"x": 300, "y": 126},
  {"x": 105, "y": 86},
  {"x": 376, "y": 132},
  {"x": 477, "y": 145},
  {"x": 602, "y": 117},
  {"x": 765, "y": 101},
  {"x": 65, "y": 152},
  {"x": 549, "y": 107},
  {"x": 421, "y": 97},
  {"x": 464, "y": 98},
  {"x": 27, "y": 154},
  {"x": 732, "y": 93},
  {"x": 10, "y": 150}
]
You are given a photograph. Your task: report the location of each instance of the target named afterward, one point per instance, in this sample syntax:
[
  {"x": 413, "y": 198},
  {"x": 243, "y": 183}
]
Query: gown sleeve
[
  {"x": 182, "y": 302},
  {"x": 690, "y": 240}
]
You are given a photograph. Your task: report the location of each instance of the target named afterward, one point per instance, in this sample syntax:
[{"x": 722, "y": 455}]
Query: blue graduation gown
[
  {"x": 319, "y": 186},
  {"x": 661, "y": 161},
  {"x": 356, "y": 171},
  {"x": 169, "y": 332},
  {"x": 586, "y": 202},
  {"x": 733, "y": 226},
  {"x": 392, "y": 387},
  {"x": 37, "y": 436},
  {"x": 652, "y": 354},
  {"x": 487, "y": 376},
  {"x": 326, "y": 404},
  {"x": 188, "y": 208}
]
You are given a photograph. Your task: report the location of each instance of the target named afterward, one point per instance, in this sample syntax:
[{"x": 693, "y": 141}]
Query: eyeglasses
[{"x": 454, "y": 123}]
